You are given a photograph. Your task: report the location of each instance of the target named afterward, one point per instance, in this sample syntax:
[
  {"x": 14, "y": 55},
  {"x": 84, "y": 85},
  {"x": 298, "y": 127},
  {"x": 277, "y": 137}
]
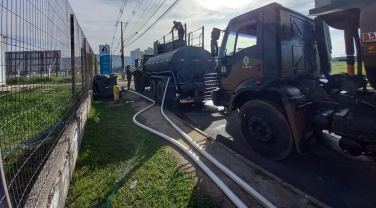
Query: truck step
[{"x": 210, "y": 83}]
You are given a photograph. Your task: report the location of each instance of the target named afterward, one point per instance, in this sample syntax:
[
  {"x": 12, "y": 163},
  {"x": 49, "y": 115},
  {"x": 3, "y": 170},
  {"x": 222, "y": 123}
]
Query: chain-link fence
[{"x": 46, "y": 67}]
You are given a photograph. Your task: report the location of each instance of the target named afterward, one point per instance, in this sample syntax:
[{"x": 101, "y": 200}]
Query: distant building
[
  {"x": 149, "y": 51},
  {"x": 31, "y": 63},
  {"x": 135, "y": 54}
]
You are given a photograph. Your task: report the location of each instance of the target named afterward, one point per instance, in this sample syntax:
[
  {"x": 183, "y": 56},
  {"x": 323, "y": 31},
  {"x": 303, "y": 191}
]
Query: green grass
[
  {"x": 107, "y": 149},
  {"x": 41, "y": 80},
  {"x": 32, "y": 112},
  {"x": 23, "y": 117},
  {"x": 341, "y": 67}
]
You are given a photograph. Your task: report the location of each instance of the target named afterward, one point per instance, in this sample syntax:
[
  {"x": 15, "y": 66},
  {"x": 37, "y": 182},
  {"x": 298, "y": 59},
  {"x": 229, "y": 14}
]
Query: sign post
[{"x": 105, "y": 59}]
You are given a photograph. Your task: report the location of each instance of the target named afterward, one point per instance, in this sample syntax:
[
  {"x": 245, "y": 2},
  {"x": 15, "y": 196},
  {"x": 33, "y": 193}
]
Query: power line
[
  {"x": 153, "y": 14},
  {"x": 146, "y": 12},
  {"x": 156, "y": 21},
  {"x": 130, "y": 18},
  {"x": 117, "y": 20}
]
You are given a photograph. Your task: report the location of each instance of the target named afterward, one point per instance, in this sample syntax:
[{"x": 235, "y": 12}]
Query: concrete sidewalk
[{"x": 269, "y": 187}]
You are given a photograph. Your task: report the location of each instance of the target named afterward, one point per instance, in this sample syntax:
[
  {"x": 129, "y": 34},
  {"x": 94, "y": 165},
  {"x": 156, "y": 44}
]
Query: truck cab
[{"x": 263, "y": 46}]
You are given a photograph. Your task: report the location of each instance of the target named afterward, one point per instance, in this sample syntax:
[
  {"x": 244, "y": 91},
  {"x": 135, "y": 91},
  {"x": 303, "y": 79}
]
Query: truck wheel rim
[{"x": 261, "y": 130}]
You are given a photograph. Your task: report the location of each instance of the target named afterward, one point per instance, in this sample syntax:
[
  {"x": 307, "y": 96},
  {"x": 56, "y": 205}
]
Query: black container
[{"x": 104, "y": 87}]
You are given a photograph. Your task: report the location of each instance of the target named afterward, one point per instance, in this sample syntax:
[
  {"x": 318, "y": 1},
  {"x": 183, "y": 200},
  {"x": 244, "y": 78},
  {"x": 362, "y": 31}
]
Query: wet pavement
[{"x": 326, "y": 174}]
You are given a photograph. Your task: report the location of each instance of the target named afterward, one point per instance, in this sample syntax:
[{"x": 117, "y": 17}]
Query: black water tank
[{"x": 186, "y": 63}]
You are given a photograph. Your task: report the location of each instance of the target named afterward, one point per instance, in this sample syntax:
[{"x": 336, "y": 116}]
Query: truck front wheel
[{"x": 265, "y": 129}]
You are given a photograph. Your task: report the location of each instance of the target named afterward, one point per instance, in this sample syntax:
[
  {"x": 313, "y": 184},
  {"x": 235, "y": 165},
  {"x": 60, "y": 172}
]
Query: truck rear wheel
[
  {"x": 265, "y": 129},
  {"x": 153, "y": 89},
  {"x": 160, "y": 92}
]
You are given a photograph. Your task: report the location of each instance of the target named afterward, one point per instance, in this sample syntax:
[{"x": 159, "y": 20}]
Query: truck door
[{"x": 242, "y": 54}]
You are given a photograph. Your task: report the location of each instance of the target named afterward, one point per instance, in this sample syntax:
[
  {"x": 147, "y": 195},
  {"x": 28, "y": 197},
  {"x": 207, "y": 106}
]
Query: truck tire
[
  {"x": 265, "y": 129},
  {"x": 160, "y": 92},
  {"x": 153, "y": 89}
]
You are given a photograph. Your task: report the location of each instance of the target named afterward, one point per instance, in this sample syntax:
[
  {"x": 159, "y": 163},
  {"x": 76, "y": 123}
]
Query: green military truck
[{"x": 274, "y": 66}]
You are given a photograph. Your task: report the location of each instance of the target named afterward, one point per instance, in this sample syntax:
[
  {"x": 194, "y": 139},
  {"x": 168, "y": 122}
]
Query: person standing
[
  {"x": 129, "y": 76},
  {"x": 137, "y": 79},
  {"x": 179, "y": 27}
]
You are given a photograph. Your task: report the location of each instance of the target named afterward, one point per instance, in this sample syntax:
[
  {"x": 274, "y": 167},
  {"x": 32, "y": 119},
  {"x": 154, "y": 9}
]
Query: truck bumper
[{"x": 192, "y": 100}]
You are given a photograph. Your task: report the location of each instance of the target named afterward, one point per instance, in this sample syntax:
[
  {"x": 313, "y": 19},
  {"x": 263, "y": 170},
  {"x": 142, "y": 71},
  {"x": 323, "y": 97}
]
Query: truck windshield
[{"x": 230, "y": 44}]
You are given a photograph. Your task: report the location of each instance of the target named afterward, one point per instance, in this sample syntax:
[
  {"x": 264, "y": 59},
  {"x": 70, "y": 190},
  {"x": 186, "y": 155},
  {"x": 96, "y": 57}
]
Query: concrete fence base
[{"x": 53, "y": 191}]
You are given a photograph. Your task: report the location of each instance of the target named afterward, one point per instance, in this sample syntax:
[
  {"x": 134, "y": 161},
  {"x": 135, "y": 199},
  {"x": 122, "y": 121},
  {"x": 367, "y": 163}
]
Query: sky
[{"x": 98, "y": 18}]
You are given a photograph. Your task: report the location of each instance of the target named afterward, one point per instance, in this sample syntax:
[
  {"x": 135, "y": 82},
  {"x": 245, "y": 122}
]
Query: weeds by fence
[{"x": 46, "y": 67}]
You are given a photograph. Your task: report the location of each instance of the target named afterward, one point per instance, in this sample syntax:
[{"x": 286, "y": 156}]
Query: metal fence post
[
  {"x": 82, "y": 71},
  {"x": 203, "y": 37},
  {"x": 189, "y": 39},
  {"x": 5, "y": 203},
  {"x": 185, "y": 33},
  {"x": 95, "y": 65},
  {"x": 85, "y": 70},
  {"x": 164, "y": 44},
  {"x": 173, "y": 41},
  {"x": 73, "y": 66}
]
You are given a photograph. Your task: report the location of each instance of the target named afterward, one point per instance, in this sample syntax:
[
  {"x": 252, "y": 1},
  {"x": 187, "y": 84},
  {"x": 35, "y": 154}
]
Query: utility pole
[{"x": 122, "y": 53}]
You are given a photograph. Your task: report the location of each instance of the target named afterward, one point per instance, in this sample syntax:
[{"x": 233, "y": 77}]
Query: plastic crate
[{"x": 105, "y": 86}]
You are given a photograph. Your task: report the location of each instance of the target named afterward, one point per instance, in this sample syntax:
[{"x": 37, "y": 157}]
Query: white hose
[
  {"x": 215, "y": 178},
  {"x": 228, "y": 172}
]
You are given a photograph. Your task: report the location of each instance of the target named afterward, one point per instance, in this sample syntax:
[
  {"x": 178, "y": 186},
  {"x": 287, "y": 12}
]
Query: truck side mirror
[
  {"x": 214, "y": 41},
  {"x": 214, "y": 48}
]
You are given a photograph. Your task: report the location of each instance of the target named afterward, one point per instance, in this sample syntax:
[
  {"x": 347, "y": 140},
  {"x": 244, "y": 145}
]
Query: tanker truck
[
  {"x": 188, "y": 66},
  {"x": 274, "y": 67}
]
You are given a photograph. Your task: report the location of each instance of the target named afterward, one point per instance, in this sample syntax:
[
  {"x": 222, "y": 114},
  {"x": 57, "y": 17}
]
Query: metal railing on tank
[
  {"x": 196, "y": 35},
  {"x": 194, "y": 38},
  {"x": 173, "y": 43}
]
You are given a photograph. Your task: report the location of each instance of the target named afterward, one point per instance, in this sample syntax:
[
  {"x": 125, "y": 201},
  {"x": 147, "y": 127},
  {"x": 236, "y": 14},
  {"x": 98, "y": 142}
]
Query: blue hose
[{"x": 50, "y": 129}]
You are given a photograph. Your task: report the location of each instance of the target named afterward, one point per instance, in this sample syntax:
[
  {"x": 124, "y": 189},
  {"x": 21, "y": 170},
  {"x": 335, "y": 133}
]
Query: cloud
[{"x": 97, "y": 19}]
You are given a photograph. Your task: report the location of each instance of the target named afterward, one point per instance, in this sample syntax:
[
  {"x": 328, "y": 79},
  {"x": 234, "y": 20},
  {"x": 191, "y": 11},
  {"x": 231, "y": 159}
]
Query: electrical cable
[
  {"x": 138, "y": 5},
  {"x": 117, "y": 21},
  {"x": 210, "y": 173},
  {"x": 156, "y": 21},
  {"x": 147, "y": 12},
  {"x": 36, "y": 139}
]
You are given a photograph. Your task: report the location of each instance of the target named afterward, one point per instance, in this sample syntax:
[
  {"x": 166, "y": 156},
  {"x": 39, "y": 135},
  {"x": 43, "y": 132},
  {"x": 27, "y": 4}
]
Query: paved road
[{"x": 326, "y": 174}]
